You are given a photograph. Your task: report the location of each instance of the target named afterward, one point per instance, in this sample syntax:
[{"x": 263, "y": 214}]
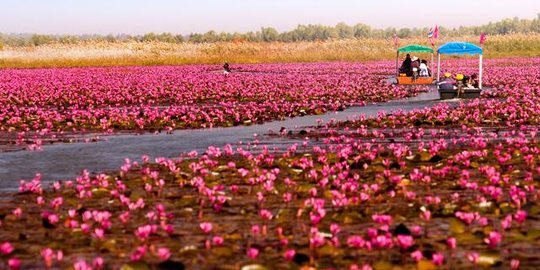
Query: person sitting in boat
[
  {"x": 472, "y": 81},
  {"x": 424, "y": 70},
  {"x": 460, "y": 79},
  {"x": 226, "y": 68},
  {"x": 415, "y": 66},
  {"x": 447, "y": 83},
  {"x": 406, "y": 66}
]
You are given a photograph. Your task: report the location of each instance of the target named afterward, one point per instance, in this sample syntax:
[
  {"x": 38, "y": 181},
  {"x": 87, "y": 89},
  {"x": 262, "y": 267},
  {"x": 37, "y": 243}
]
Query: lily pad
[
  {"x": 456, "y": 226},
  {"x": 171, "y": 265},
  {"x": 489, "y": 259},
  {"x": 222, "y": 251},
  {"x": 253, "y": 267},
  {"x": 425, "y": 265},
  {"x": 135, "y": 266}
]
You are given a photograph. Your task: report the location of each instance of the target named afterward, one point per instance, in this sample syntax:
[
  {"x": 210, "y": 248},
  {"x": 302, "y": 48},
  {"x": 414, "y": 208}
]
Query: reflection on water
[{"x": 65, "y": 161}]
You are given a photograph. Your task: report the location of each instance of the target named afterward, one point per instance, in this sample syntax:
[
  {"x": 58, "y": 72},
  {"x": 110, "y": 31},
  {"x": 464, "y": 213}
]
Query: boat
[
  {"x": 459, "y": 48},
  {"x": 403, "y": 79}
]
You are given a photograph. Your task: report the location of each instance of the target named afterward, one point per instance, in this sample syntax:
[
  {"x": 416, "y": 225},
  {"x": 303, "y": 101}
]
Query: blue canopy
[{"x": 459, "y": 48}]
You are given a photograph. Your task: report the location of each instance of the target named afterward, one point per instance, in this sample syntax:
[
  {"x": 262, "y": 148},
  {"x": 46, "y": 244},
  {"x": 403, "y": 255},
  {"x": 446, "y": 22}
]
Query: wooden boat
[
  {"x": 413, "y": 48},
  {"x": 413, "y": 81},
  {"x": 460, "y": 48},
  {"x": 467, "y": 93}
]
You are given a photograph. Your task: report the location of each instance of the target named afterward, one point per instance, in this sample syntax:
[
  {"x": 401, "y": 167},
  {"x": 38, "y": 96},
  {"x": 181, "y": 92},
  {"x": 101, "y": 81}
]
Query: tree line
[{"x": 311, "y": 32}]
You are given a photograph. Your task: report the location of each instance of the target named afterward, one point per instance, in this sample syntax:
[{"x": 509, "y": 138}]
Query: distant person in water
[
  {"x": 226, "y": 68},
  {"x": 406, "y": 66}
]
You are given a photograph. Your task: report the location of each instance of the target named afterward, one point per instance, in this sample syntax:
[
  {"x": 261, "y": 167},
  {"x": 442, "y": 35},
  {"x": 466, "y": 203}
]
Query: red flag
[
  {"x": 482, "y": 38},
  {"x": 432, "y": 40},
  {"x": 396, "y": 40},
  {"x": 436, "y": 32}
]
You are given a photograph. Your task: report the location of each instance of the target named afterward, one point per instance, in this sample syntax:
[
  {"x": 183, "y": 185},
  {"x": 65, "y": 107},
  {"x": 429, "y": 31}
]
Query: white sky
[{"x": 186, "y": 16}]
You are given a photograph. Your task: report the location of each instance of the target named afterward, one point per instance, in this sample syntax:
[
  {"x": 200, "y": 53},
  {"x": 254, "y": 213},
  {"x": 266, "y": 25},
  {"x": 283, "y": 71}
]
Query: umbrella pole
[
  {"x": 431, "y": 64},
  {"x": 438, "y": 67},
  {"x": 480, "y": 75},
  {"x": 397, "y": 62}
]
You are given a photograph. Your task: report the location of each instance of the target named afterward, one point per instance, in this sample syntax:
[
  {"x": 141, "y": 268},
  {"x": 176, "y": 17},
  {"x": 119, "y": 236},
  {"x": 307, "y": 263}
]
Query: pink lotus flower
[
  {"x": 289, "y": 254},
  {"x": 138, "y": 253},
  {"x": 493, "y": 239},
  {"x": 81, "y": 265},
  {"x": 520, "y": 216},
  {"x": 255, "y": 229},
  {"x": 206, "y": 227},
  {"x": 425, "y": 215},
  {"x": 14, "y": 263},
  {"x": 416, "y": 230},
  {"x": 506, "y": 223},
  {"x": 417, "y": 255},
  {"x": 217, "y": 240},
  {"x": 514, "y": 264},
  {"x": 98, "y": 263},
  {"x": 252, "y": 253},
  {"x": 473, "y": 257},
  {"x": 438, "y": 259},
  {"x": 334, "y": 229},
  {"x": 356, "y": 241},
  {"x": 163, "y": 253},
  {"x": 451, "y": 242},
  {"x": 316, "y": 240},
  {"x": 265, "y": 214},
  {"x": 40, "y": 200},
  {"x": 6, "y": 248},
  {"x": 405, "y": 241},
  {"x": 382, "y": 219},
  {"x": 53, "y": 218},
  {"x": 17, "y": 212},
  {"x": 99, "y": 234},
  {"x": 48, "y": 256}
]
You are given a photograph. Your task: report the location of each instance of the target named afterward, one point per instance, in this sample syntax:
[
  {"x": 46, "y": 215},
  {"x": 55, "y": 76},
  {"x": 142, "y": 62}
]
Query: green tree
[
  {"x": 269, "y": 34},
  {"x": 344, "y": 31},
  {"x": 38, "y": 40}
]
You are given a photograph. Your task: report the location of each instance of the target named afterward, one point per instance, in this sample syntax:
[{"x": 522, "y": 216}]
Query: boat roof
[
  {"x": 415, "y": 48},
  {"x": 459, "y": 48}
]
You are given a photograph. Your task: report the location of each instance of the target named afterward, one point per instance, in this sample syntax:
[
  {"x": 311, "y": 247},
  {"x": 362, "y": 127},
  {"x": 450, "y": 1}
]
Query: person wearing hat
[
  {"x": 447, "y": 83},
  {"x": 415, "y": 66},
  {"x": 460, "y": 83}
]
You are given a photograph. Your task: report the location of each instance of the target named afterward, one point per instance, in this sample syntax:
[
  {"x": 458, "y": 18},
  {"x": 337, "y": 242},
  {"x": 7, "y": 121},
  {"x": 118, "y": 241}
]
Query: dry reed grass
[{"x": 159, "y": 53}]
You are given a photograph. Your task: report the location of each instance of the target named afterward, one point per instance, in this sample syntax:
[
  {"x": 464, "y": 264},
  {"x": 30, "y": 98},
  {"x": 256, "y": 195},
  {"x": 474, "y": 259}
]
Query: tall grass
[{"x": 159, "y": 53}]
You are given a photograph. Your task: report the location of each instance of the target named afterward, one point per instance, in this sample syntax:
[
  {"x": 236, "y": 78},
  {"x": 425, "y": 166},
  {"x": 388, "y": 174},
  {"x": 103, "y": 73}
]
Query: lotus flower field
[
  {"x": 447, "y": 187},
  {"x": 48, "y": 105}
]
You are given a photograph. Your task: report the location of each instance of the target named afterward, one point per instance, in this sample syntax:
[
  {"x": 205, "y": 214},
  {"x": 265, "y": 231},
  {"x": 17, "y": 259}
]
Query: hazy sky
[{"x": 186, "y": 16}]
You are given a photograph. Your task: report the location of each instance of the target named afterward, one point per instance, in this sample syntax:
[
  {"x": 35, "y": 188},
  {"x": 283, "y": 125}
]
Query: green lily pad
[
  {"x": 222, "y": 251},
  {"x": 425, "y": 265},
  {"x": 383, "y": 265},
  {"x": 488, "y": 259},
  {"x": 468, "y": 238},
  {"x": 135, "y": 266},
  {"x": 329, "y": 251},
  {"x": 253, "y": 267},
  {"x": 456, "y": 226},
  {"x": 529, "y": 235}
]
